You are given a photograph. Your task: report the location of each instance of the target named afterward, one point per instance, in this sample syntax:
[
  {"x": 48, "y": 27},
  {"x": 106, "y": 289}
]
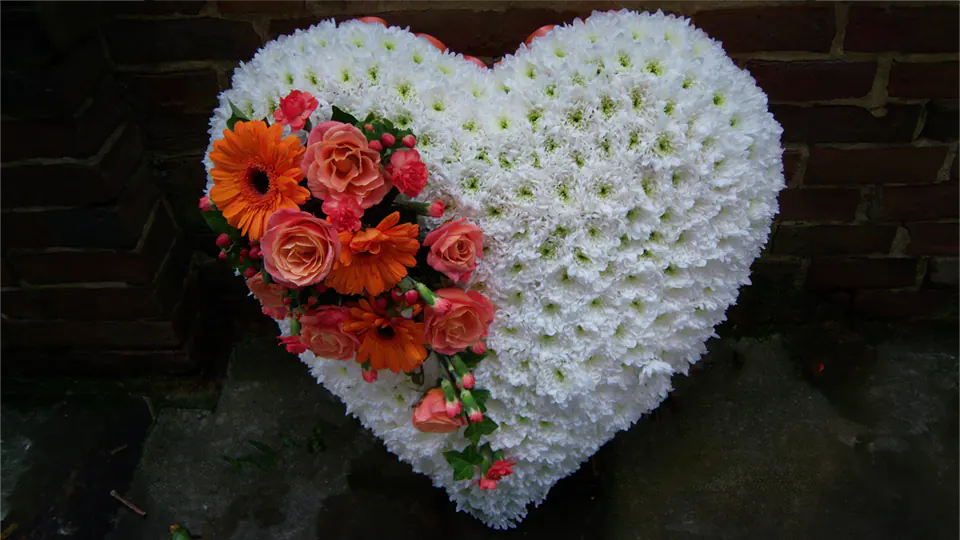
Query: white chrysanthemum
[{"x": 624, "y": 172}]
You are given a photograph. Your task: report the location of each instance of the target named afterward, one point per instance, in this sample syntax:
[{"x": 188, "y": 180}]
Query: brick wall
[{"x": 111, "y": 105}]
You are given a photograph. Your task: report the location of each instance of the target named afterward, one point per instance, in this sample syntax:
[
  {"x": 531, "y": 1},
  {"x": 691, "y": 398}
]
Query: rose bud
[
  {"x": 436, "y": 209},
  {"x": 369, "y": 375},
  {"x": 205, "y": 204},
  {"x": 454, "y": 408},
  {"x": 468, "y": 381}
]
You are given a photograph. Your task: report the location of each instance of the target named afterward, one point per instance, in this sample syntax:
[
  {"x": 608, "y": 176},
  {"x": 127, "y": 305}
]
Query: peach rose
[
  {"x": 430, "y": 416},
  {"x": 298, "y": 248},
  {"x": 269, "y": 295},
  {"x": 462, "y": 324},
  {"x": 322, "y": 332},
  {"x": 339, "y": 163},
  {"x": 454, "y": 248}
]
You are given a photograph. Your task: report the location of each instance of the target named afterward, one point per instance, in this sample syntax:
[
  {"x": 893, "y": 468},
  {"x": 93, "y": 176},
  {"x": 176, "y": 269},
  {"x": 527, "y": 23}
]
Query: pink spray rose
[
  {"x": 409, "y": 174},
  {"x": 299, "y": 249},
  {"x": 322, "y": 332},
  {"x": 339, "y": 164},
  {"x": 295, "y": 109},
  {"x": 454, "y": 248},
  {"x": 463, "y": 324},
  {"x": 431, "y": 416},
  {"x": 269, "y": 295}
]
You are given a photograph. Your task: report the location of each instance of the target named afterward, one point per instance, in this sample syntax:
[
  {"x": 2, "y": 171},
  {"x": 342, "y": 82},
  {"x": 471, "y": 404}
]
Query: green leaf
[
  {"x": 463, "y": 473},
  {"x": 475, "y": 431},
  {"x": 236, "y": 115},
  {"x": 481, "y": 396},
  {"x": 462, "y": 469},
  {"x": 340, "y": 115},
  {"x": 471, "y": 455},
  {"x": 470, "y": 358},
  {"x": 216, "y": 221}
]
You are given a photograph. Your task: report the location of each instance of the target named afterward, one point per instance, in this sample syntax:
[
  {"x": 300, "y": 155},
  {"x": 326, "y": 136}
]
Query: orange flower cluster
[{"x": 374, "y": 260}]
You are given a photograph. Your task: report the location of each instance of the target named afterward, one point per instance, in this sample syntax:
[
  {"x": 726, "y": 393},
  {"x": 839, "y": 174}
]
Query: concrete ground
[{"x": 811, "y": 432}]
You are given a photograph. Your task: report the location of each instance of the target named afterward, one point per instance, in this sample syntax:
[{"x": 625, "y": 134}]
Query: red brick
[
  {"x": 833, "y": 239},
  {"x": 933, "y": 238},
  {"x": 941, "y": 123},
  {"x": 40, "y": 34},
  {"x": 944, "y": 271},
  {"x": 932, "y": 201},
  {"x": 118, "y": 226},
  {"x": 7, "y": 279},
  {"x": 921, "y": 29},
  {"x": 894, "y": 165},
  {"x": 74, "y": 138},
  {"x": 45, "y": 335},
  {"x": 862, "y": 273},
  {"x": 154, "y": 7},
  {"x": 846, "y": 124},
  {"x": 791, "y": 162},
  {"x": 278, "y": 7},
  {"x": 84, "y": 183},
  {"x": 82, "y": 303},
  {"x": 57, "y": 91},
  {"x": 477, "y": 32},
  {"x": 178, "y": 40},
  {"x": 813, "y": 80},
  {"x": 818, "y": 204},
  {"x": 782, "y": 273},
  {"x": 767, "y": 28},
  {"x": 139, "y": 266},
  {"x": 177, "y": 133},
  {"x": 194, "y": 91},
  {"x": 100, "y": 364},
  {"x": 925, "y": 80},
  {"x": 883, "y": 304}
]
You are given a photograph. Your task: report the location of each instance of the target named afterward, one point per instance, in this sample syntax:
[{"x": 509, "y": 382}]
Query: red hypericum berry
[
  {"x": 255, "y": 252},
  {"x": 468, "y": 381},
  {"x": 388, "y": 140},
  {"x": 242, "y": 259},
  {"x": 411, "y": 297},
  {"x": 223, "y": 240},
  {"x": 249, "y": 272},
  {"x": 397, "y": 294},
  {"x": 409, "y": 141},
  {"x": 479, "y": 347},
  {"x": 223, "y": 255},
  {"x": 368, "y": 127},
  {"x": 312, "y": 301},
  {"x": 375, "y": 145},
  {"x": 244, "y": 252},
  {"x": 321, "y": 288},
  {"x": 381, "y": 303},
  {"x": 287, "y": 300}
]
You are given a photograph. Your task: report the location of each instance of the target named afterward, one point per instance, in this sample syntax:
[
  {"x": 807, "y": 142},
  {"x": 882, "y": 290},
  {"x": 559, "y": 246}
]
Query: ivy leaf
[
  {"x": 475, "y": 431},
  {"x": 462, "y": 469},
  {"x": 216, "y": 222},
  {"x": 470, "y": 358},
  {"x": 481, "y": 396},
  {"x": 236, "y": 115},
  {"x": 471, "y": 455},
  {"x": 339, "y": 115}
]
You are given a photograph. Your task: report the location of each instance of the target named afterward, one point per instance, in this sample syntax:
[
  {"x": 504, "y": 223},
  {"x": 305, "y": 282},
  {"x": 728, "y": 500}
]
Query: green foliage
[
  {"x": 479, "y": 429},
  {"x": 236, "y": 115}
]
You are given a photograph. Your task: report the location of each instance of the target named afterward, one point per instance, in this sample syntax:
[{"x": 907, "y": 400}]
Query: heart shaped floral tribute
[{"x": 496, "y": 269}]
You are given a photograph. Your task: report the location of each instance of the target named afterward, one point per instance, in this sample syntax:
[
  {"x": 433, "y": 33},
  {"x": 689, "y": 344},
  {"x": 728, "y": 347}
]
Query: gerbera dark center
[
  {"x": 386, "y": 332},
  {"x": 260, "y": 181}
]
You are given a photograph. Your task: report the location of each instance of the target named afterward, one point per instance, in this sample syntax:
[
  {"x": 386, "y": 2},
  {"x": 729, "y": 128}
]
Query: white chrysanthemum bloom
[{"x": 624, "y": 172}]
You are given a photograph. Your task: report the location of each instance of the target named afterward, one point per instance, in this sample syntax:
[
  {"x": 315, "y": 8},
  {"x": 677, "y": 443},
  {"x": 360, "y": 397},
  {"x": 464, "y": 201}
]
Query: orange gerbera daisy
[
  {"x": 256, "y": 172},
  {"x": 392, "y": 343},
  {"x": 374, "y": 260}
]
